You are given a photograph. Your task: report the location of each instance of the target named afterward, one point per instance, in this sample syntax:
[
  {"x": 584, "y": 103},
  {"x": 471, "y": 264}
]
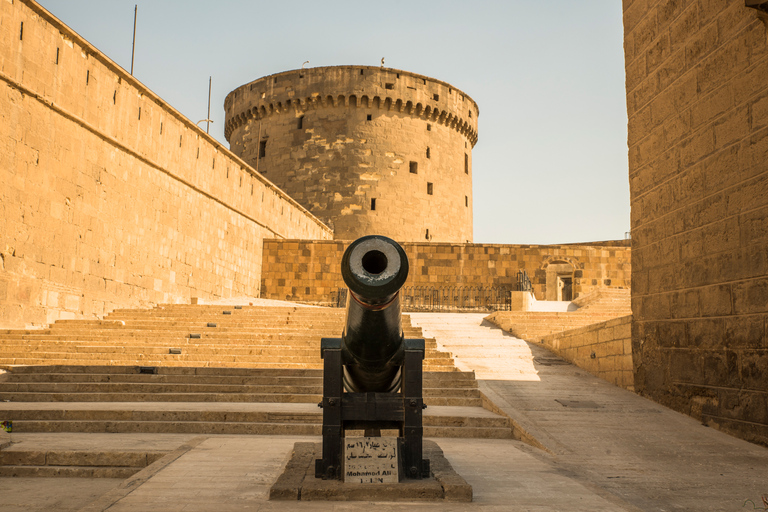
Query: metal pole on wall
[
  {"x": 258, "y": 154},
  {"x": 133, "y": 46},
  {"x": 208, "y": 117}
]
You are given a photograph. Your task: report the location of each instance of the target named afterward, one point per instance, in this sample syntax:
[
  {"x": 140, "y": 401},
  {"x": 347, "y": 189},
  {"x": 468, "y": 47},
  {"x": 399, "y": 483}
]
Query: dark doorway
[{"x": 567, "y": 288}]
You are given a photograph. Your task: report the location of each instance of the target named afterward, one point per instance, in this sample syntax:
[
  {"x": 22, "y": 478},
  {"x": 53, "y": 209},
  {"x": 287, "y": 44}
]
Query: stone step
[
  {"x": 229, "y": 422},
  {"x": 202, "y": 323},
  {"x": 132, "y": 459},
  {"x": 201, "y": 375},
  {"x": 448, "y": 366},
  {"x": 442, "y": 401},
  {"x": 74, "y": 463},
  {"x": 187, "y": 359},
  {"x": 189, "y": 346},
  {"x": 224, "y": 353},
  {"x": 67, "y": 472},
  {"x": 203, "y": 341},
  {"x": 9, "y": 390},
  {"x": 236, "y": 428},
  {"x": 186, "y": 371}
]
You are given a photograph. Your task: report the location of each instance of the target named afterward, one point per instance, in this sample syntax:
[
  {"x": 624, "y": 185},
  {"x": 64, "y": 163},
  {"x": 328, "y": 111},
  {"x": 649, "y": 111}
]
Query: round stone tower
[{"x": 367, "y": 150}]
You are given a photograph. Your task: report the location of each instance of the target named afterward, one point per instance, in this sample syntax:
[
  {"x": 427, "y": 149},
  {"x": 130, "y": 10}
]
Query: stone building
[
  {"x": 697, "y": 100},
  {"x": 365, "y": 149}
]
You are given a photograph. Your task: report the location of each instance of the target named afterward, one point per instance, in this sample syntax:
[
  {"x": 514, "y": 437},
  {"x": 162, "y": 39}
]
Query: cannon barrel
[{"x": 374, "y": 269}]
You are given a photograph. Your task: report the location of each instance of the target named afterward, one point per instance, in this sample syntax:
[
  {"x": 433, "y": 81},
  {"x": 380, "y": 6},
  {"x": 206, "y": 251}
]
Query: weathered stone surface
[{"x": 697, "y": 83}]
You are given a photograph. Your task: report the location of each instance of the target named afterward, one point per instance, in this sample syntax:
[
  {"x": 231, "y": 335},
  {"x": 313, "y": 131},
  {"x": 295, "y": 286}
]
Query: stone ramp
[
  {"x": 595, "y": 307},
  {"x": 485, "y": 349}
]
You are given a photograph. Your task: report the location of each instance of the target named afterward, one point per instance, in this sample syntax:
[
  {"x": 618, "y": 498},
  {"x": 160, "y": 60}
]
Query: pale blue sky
[{"x": 550, "y": 165}]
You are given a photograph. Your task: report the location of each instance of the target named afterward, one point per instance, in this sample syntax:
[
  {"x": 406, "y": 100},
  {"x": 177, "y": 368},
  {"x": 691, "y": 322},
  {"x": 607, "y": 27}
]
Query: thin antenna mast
[
  {"x": 133, "y": 46},
  {"x": 208, "y": 117}
]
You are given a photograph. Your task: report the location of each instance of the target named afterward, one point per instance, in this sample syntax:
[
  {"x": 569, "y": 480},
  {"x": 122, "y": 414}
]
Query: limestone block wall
[
  {"x": 110, "y": 197},
  {"x": 603, "y": 349},
  {"x": 365, "y": 149},
  {"x": 311, "y": 270},
  {"x": 697, "y": 99}
]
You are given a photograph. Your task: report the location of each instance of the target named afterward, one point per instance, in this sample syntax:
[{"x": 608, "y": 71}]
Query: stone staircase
[
  {"x": 599, "y": 306},
  {"x": 204, "y": 370},
  {"x": 201, "y": 336}
]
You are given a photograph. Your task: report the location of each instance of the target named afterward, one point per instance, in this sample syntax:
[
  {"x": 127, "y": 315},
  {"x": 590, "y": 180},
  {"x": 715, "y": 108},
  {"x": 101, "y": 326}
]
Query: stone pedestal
[{"x": 298, "y": 481}]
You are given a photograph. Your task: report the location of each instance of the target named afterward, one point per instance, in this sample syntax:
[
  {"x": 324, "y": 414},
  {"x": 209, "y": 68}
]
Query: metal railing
[
  {"x": 456, "y": 298},
  {"x": 445, "y": 298},
  {"x": 339, "y": 298},
  {"x": 523, "y": 281}
]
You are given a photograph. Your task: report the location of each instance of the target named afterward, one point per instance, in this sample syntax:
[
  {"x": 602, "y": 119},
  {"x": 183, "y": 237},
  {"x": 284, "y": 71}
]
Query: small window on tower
[
  {"x": 414, "y": 167},
  {"x": 369, "y": 117},
  {"x": 428, "y": 153},
  {"x": 262, "y": 149},
  {"x": 466, "y": 201},
  {"x": 466, "y": 163},
  {"x": 429, "y": 189},
  {"x": 373, "y": 203},
  {"x": 300, "y": 123}
]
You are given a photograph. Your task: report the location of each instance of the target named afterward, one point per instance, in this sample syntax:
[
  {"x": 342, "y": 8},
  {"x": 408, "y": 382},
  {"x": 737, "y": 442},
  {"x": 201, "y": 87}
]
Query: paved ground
[
  {"x": 646, "y": 455},
  {"x": 606, "y": 449}
]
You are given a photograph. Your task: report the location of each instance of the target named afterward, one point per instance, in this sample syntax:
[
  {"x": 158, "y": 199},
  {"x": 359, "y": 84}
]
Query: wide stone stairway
[{"x": 181, "y": 369}]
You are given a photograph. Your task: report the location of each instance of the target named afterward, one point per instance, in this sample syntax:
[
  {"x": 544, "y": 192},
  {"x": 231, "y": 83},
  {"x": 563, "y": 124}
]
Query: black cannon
[{"x": 372, "y": 375}]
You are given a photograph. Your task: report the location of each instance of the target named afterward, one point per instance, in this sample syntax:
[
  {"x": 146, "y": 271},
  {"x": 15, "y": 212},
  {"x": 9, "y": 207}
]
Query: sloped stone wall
[{"x": 603, "y": 349}]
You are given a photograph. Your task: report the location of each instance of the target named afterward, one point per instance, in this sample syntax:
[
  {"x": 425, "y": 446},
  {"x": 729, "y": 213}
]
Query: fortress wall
[
  {"x": 365, "y": 134},
  {"x": 311, "y": 270},
  {"x": 697, "y": 99},
  {"x": 111, "y": 198}
]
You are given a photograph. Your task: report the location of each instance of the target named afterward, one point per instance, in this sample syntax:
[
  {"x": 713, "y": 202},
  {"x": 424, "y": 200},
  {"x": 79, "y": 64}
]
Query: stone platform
[{"x": 298, "y": 481}]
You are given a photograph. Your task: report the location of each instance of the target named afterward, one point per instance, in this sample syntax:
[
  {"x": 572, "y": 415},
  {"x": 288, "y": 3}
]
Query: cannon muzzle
[{"x": 374, "y": 269}]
